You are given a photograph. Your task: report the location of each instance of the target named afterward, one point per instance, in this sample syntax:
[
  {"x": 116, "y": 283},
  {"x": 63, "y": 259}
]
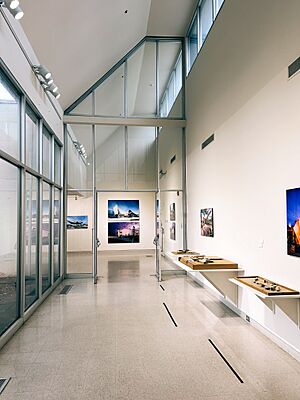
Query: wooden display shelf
[
  {"x": 197, "y": 263},
  {"x": 247, "y": 282}
]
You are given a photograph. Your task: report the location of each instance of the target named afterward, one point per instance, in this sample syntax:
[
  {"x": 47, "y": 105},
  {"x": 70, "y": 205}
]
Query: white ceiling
[{"x": 80, "y": 41}]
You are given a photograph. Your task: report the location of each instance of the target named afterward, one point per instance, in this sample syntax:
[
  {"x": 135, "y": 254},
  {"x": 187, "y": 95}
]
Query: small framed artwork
[
  {"x": 77, "y": 222},
  {"x": 172, "y": 212},
  {"x": 173, "y": 231},
  {"x": 293, "y": 221},
  {"x": 207, "y": 222}
]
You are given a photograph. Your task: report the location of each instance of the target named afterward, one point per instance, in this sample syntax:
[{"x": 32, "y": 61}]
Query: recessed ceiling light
[{"x": 126, "y": 12}]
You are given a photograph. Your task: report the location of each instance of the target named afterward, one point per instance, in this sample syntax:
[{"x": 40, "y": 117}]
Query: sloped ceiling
[{"x": 80, "y": 41}]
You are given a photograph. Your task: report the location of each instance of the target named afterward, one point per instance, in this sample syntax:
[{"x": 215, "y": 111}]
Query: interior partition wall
[{"x": 30, "y": 197}]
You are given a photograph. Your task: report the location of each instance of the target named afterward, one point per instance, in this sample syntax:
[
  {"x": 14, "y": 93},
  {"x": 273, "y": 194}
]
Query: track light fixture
[
  {"x": 80, "y": 148},
  {"x": 45, "y": 77},
  {"x": 13, "y": 7}
]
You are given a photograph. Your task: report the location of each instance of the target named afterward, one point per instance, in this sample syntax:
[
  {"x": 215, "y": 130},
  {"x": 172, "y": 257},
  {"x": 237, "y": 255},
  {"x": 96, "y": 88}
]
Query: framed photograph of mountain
[
  {"x": 293, "y": 221},
  {"x": 123, "y": 210},
  {"x": 172, "y": 212},
  {"x": 207, "y": 222},
  {"x": 123, "y": 232}
]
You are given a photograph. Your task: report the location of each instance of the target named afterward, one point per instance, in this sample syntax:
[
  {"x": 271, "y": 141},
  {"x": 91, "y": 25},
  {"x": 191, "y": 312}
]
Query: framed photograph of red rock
[
  {"x": 293, "y": 221},
  {"x": 207, "y": 222}
]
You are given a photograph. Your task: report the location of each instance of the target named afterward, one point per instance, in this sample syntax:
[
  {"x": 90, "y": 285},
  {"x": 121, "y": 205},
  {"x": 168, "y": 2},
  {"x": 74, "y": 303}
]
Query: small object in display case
[
  {"x": 207, "y": 262},
  {"x": 181, "y": 251},
  {"x": 266, "y": 286}
]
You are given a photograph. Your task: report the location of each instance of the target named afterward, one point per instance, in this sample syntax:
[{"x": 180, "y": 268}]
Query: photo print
[
  {"x": 77, "y": 222},
  {"x": 123, "y": 210},
  {"x": 173, "y": 231},
  {"x": 172, "y": 212},
  {"x": 207, "y": 222},
  {"x": 124, "y": 232},
  {"x": 293, "y": 221}
]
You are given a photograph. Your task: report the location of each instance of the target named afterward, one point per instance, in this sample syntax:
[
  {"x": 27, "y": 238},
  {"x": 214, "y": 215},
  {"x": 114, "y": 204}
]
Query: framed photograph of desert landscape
[
  {"x": 123, "y": 232},
  {"x": 123, "y": 210},
  {"x": 207, "y": 222},
  {"x": 293, "y": 221}
]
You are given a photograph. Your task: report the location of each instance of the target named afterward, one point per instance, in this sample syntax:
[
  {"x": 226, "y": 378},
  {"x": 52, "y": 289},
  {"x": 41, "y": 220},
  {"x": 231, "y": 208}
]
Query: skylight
[{"x": 5, "y": 96}]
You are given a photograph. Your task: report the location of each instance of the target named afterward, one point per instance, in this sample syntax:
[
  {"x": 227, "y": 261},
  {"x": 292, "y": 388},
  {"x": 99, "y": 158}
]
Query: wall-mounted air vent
[
  {"x": 208, "y": 141},
  {"x": 294, "y": 67},
  {"x": 173, "y": 159}
]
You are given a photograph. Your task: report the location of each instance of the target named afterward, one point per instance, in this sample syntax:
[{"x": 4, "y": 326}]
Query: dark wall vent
[
  {"x": 173, "y": 159},
  {"x": 208, "y": 141},
  {"x": 294, "y": 67}
]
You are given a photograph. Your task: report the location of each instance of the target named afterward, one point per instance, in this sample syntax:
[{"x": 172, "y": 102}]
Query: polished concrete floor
[{"x": 115, "y": 340}]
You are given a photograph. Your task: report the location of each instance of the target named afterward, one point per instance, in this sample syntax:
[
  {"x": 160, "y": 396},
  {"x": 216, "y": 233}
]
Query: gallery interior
[{"x": 150, "y": 200}]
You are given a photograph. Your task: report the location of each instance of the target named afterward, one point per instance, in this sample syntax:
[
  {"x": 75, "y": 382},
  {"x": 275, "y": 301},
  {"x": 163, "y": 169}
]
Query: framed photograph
[
  {"x": 123, "y": 210},
  {"x": 293, "y": 221},
  {"x": 207, "y": 222},
  {"x": 124, "y": 232},
  {"x": 173, "y": 231},
  {"x": 77, "y": 222},
  {"x": 172, "y": 212}
]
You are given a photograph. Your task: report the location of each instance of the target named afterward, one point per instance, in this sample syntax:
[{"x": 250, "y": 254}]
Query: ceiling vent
[
  {"x": 294, "y": 67},
  {"x": 208, "y": 141}
]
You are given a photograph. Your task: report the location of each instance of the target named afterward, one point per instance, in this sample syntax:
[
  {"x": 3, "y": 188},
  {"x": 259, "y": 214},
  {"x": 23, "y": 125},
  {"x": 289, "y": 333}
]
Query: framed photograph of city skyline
[
  {"x": 124, "y": 232},
  {"x": 207, "y": 222},
  {"x": 293, "y": 221}
]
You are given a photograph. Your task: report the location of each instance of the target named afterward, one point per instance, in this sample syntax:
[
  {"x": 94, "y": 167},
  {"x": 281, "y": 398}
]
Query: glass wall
[
  {"x": 9, "y": 118},
  {"x": 9, "y": 228},
  {"x": 135, "y": 87},
  {"x": 56, "y": 233},
  {"x": 30, "y": 230},
  {"x": 46, "y": 238},
  {"x": 31, "y": 139},
  {"x": 47, "y": 153},
  {"x": 31, "y": 240},
  {"x": 202, "y": 21}
]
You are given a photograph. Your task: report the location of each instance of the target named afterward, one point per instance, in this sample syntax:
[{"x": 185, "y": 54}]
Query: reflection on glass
[
  {"x": 9, "y": 304},
  {"x": 57, "y": 163},
  {"x": 110, "y": 157},
  {"x": 206, "y": 19},
  {"x": 80, "y": 157},
  {"x": 56, "y": 234},
  {"x": 46, "y": 267},
  {"x": 170, "y": 148},
  {"x": 109, "y": 96},
  {"x": 79, "y": 241},
  {"x": 9, "y": 119},
  {"x": 141, "y": 158},
  {"x": 46, "y": 153},
  {"x": 31, "y": 138},
  {"x": 170, "y": 77},
  {"x": 141, "y": 82},
  {"x": 193, "y": 43},
  {"x": 218, "y": 5},
  {"x": 31, "y": 241}
]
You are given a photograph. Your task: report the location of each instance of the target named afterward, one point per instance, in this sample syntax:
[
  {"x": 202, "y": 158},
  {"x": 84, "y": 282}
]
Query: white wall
[
  {"x": 239, "y": 90},
  {"x": 16, "y": 62},
  {"x": 80, "y": 240}
]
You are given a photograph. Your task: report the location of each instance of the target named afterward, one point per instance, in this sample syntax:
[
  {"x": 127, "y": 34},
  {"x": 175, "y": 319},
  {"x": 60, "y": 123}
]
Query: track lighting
[
  {"x": 13, "y": 7},
  {"x": 45, "y": 77},
  {"x": 42, "y": 71}
]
